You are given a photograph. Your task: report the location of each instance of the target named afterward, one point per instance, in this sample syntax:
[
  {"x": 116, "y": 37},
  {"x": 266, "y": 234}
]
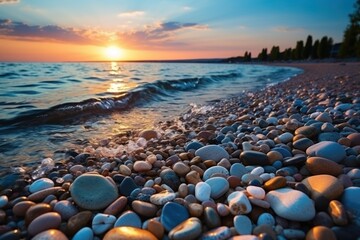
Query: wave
[{"x": 148, "y": 92}]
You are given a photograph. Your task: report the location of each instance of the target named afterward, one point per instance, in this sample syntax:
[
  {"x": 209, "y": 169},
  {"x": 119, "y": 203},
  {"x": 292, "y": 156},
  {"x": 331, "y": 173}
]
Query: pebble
[
  {"x": 129, "y": 233},
  {"x": 219, "y": 186},
  {"x": 144, "y": 209},
  {"x": 20, "y": 208},
  {"x": 142, "y": 166},
  {"x": 162, "y": 197},
  {"x": 44, "y": 222},
  {"x": 350, "y": 200},
  {"x": 242, "y": 224},
  {"x": 275, "y": 183},
  {"x": 256, "y": 192},
  {"x": 78, "y": 221},
  {"x": 66, "y": 209},
  {"x": 3, "y": 201},
  {"x": 215, "y": 170},
  {"x": 156, "y": 228},
  {"x": 307, "y": 131},
  {"x": 189, "y": 229},
  {"x": 129, "y": 219},
  {"x": 85, "y": 233},
  {"x": 239, "y": 203},
  {"x": 266, "y": 218},
  {"x": 254, "y": 158},
  {"x": 148, "y": 134},
  {"x": 202, "y": 191},
  {"x": 93, "y": 192},
  {"x": 294, "y": 234},
  {"x": 327, "y": 149},
  {"x": 127, "y": 185},
  {"x": 193, "y": 145},
  {"x": 170, "y": 178},
  {"x": 220, "y": 233},
  {"x": 212, "y": 152},
  {"x": 320, "y": 233},
  {"x": 338, "y": 213},
  {"x": 102, "y": 222},
  {"x": 35, "y": 211},
  {"x": 354, "y": 138},
  {"x": 40, "y": 184},
  {"x": 303, "y": 144},
  {"x": 172, "y": 215},
  {"x": 319, "y": 165},
  {"x": 40, "y": 195},
  {"x": 52, "y": 234},
  {"x": 291, "y": 204},
  {"x": 323, "y": 188},
  {"x": 117, "y": 206}
]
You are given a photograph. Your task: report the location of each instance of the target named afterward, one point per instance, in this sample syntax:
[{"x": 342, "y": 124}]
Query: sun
[{"x": 113, "y": 53}]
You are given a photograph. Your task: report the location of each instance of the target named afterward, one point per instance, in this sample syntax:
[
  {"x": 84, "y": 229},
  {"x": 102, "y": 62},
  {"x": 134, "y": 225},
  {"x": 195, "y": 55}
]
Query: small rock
[
  {"x": 162, "y": 197},
  {"x": 102, "y": 222},
  {"x": 239, "y": 203},
  {"x": 128, "y": 219},
  {"x": 202, "y": 191},
  {"x": 326, "y": 149},
  {"x": 212, "y": 152},
  {"x": 129, "y": 233},
  {"x": 243, "y": 225},
  {"x": 320, "y": 233},
  {"x": 189, "y": 229},
  {"x": 256, "y": 192},
  {"x": 172, "y": 215},
  {"x": 40, "y": 184},
  {"x": 85, "y": 233},
  {"x": 44, "y": 222},
  {"x": 52, "y": 234}
]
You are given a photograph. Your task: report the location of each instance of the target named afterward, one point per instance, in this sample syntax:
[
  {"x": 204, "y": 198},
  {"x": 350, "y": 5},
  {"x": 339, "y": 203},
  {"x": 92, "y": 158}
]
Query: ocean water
[{"x": 47, "y": 108}]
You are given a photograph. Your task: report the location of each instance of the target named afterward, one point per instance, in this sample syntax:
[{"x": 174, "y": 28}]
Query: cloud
[
  {"x": 159, "y": 35},
  {"x": 9, "y": 1},
  {"x": 187, "y": 8},
  {"x": 131, "y": 14},
  {"x": 22, "y": 31},
  {"x": 284, "y": 29}
]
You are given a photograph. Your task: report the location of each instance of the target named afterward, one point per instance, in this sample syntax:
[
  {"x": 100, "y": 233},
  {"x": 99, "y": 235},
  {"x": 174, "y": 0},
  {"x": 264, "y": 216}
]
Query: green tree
[
  {"x": 286, "y": 55},
  {"x": 308, "y": 47},
  {"x": 350, "y": 46},
  {"x": 275, "y": 53},
  {"x": 299, "y": 50},
  {"x": 263, "y": 55},
  {"x": 314, "y": 52},
  {"x": 322, "y": 50}
]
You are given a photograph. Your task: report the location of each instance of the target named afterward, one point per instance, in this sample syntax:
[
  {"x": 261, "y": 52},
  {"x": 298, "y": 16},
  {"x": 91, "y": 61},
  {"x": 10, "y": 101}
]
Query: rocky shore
[{"x": 280, "y": 163}]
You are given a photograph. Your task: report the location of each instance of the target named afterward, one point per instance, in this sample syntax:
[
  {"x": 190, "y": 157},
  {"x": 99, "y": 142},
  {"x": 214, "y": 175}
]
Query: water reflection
[{"x": 119, "y": 85}]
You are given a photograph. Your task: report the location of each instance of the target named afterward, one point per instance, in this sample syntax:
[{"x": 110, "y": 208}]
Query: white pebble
[
  {"x": 202, "y": 191},
  {"x": 41, "y": 184},
  {"x": 258, "y": 171},
  {"x": 256, "y": 192}
]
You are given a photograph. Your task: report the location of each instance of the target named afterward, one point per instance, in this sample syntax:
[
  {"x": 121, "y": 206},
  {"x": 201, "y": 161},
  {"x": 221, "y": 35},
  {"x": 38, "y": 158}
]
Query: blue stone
[
  {"x": 127, "y": 186},
  {"x": 284, "y": 152},
  {"x": 170, "y": 178},
  {"x": 277, "y": 164},
  {"x": 255, "y": 182},
  {"x": 172, "y": 215},
  {"x": 270, "y": 169},
  {"x": 193, "y": 145},
  {"x": 227, "y": 129}
]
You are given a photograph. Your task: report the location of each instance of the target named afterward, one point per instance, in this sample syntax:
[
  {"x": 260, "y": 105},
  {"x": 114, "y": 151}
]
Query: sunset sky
[{"x": 82, "y": 30}]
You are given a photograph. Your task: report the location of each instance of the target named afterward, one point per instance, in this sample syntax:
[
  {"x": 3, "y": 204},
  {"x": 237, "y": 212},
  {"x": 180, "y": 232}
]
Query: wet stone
[
  {"x": 127, "y": 186},
  {"x": 254, "y": 158},
  {"x": 170, "y": 178},
  {"x": 189, "y": 229},
  {"x": 172, "y": 215}
]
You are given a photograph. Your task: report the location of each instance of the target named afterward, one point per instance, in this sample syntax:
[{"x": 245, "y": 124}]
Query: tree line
[{"x": 319, "y": 49}]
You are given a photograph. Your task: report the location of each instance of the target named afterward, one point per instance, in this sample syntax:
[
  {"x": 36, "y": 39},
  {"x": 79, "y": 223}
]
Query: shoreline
[{"x": 243, "y": 151}]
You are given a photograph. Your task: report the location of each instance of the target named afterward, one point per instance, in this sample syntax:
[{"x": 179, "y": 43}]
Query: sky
[{"x": 83, "y": 30}]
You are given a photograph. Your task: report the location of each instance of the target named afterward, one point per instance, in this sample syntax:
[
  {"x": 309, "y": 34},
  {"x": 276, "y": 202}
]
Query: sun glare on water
[{"x": 113, "y": 53}]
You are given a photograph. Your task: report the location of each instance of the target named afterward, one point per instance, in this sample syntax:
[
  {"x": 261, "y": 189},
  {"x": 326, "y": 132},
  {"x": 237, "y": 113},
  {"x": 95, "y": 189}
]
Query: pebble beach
[{"x": 279, "y": 163}]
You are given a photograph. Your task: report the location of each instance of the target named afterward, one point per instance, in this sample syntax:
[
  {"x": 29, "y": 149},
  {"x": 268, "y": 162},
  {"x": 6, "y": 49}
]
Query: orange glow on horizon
[{"x": 113, "y": 53}]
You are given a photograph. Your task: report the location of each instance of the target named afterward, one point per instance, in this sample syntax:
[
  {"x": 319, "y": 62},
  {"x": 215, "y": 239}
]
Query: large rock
[
  {"x": 93, "y": 191},
  {"x": 212, "y": 152},
  {"x": 350, "y": 200},
  {"x": 291, "y": 204},
  {"x": 327, "y": 149},
  {"x": 319, "y": 165},
  {"x": 323, "y": 188}
]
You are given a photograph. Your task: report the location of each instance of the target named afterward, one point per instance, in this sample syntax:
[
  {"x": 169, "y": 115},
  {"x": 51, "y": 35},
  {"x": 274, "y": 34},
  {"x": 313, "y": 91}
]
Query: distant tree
[
  {"x": 249, "y": 57},
  {"x": 286, "y": 55},
  {"x": 263, "y": 55},
  {"x": 350, "y": 46},
  {"x": 275, "y": 53},
  {"x": 308, "y": 47},
  {"x": 299, "y": 50},
  {"x": 329, "y": 47},
  {"x": 323, "y": 48},
  {"x": 314, "y": 52}
]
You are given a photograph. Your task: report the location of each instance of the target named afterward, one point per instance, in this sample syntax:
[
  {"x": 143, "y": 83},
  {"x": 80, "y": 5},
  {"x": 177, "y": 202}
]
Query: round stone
[
  {"x": 44, "y": 222},
  {"x": 202, "y": 191},
  {"x": 172, "y": 215},
  {"x": 212, "y": 152},
  {"x": 93, "y": 192},
  {"x": 326, "y": 149},
  {"x": 256, "y": 192},
  {"x": 323, "y": 188},
  {"x": 142, "y": 166},
  {"x": 338, "y": 213},
  {"x": 239, "y": 203},
  {"x": 162, "y": 197},
  {"x": 156, "y": 228},
  {"x": 20, "y": 208},
  {"x": 211, "y": 218},
  {"x": 78, "y": 221},
  {"x": 145, "y": 209},
  {"x": 242, "y": 224},
  {"x": 215, "y": 170},
  {"x": 320, "y": 233},
  {"x": 149, "y": 134},
  {"x": 238, "y": 170},
  {"x": 102, "y": 222},
  {"x": 219, "y": 186},
  {"x": 52, "y": 234},
  {"x": 129, "y": 233},
  {"x": 40, "y": 184},
  {"x": 42, "y": 194},
  {"x": 275, "y": 183},
  {"x": 117, "y": 206},
  {"x": 189, "y": 229},
  {"x": 354, "y": 138},
  {"x": 307, "y": 131},
  {"x": 219, "y": 233},
  {"x": 254, "y": 158},
  {"x": 193, "y": 145},
  {"x": 319, "y": 165},
  {"x": 291, "y": 204},
  {"x": 85, "y": 233},
  {"x": 350, "y": 200},
  {"x": 129, "y": 219},
  {"x": 266, "y": 218},
  {"x": 36, "y": 211},
  {"x": 302, "y": 144},
  {"x": 66, "y": 209}
]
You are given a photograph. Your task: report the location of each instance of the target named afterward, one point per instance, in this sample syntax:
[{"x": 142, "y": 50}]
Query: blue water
[{"x": 52, "y": 107}]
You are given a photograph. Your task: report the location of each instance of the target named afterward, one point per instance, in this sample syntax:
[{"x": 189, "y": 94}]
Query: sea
[{"x": 49, "y": 108}]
